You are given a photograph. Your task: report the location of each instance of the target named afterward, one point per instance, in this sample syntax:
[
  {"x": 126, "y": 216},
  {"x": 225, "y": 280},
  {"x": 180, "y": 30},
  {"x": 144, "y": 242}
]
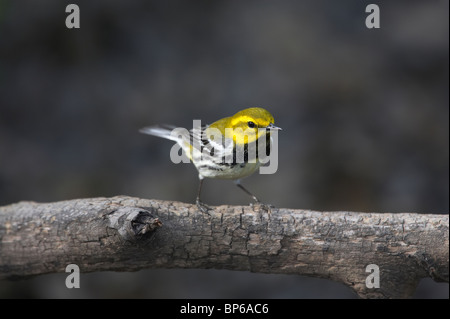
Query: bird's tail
[
  {"x": 164, "y": 131},
  {"x": 170, "y": 132}
]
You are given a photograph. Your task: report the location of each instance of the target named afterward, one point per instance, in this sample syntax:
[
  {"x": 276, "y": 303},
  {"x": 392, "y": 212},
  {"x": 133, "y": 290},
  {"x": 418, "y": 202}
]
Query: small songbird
[{"x": 214, "y": 149}]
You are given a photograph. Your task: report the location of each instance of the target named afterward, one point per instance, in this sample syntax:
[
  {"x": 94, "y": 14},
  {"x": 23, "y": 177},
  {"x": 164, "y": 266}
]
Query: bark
[{"x": 127, "y": 234}]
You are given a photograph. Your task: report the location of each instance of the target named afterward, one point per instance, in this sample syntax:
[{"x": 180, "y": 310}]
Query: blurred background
[{"x": 364, "y": 112}]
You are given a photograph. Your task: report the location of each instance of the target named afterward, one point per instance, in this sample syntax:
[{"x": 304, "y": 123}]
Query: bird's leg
[
  {"x": 266, "y": 207},
  {"x": 238, "y": 183},
  {"x": 201, "y": 206}
]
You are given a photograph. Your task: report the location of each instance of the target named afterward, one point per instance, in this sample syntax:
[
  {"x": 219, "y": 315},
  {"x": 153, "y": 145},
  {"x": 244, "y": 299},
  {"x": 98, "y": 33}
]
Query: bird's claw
[
  {"x": 259, "y": 205},
  {"x": 203, "y": 207}
]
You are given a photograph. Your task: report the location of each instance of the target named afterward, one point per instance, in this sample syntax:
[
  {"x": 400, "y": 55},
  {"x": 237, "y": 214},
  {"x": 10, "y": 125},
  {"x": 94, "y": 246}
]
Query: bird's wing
[{"x": 211, "y": 142}]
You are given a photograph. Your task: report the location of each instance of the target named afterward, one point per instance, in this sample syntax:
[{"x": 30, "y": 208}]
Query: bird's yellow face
[{"x": 247, "y": 125}]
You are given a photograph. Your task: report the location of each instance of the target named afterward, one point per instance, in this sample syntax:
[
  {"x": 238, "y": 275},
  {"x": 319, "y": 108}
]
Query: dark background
[{"x": 364, "y": 112}]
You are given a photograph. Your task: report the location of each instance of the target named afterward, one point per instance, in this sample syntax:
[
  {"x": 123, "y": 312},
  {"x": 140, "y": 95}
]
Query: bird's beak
[{"x": 273, "y": 127}]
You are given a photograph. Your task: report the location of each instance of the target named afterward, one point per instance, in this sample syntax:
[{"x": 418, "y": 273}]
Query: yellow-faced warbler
[{"x": 231, "y": 148}]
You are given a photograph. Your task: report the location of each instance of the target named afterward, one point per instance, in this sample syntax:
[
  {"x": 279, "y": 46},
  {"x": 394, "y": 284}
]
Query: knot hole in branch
[{"x": 144, "y": 223}]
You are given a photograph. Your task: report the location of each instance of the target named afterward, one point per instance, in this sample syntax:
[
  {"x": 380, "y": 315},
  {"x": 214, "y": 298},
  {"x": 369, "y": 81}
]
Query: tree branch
[{"x": 127, "y": 234}]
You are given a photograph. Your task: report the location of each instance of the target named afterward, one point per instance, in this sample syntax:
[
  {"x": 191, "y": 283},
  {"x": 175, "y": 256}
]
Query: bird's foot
[
  {"x": 257, "y": 205},
  {"x": 203, "y": 207}
]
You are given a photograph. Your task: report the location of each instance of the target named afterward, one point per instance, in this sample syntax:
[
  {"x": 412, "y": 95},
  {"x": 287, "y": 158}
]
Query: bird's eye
[{"x": 251, "y": 124}]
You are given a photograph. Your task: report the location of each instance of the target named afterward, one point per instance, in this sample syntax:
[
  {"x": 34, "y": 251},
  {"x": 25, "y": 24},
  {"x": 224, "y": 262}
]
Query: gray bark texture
[{"x": 127, "y": 234}]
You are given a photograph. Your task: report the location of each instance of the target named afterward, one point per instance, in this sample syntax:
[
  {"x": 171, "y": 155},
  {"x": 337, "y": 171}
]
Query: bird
[{"x": 229, "y": 148}]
